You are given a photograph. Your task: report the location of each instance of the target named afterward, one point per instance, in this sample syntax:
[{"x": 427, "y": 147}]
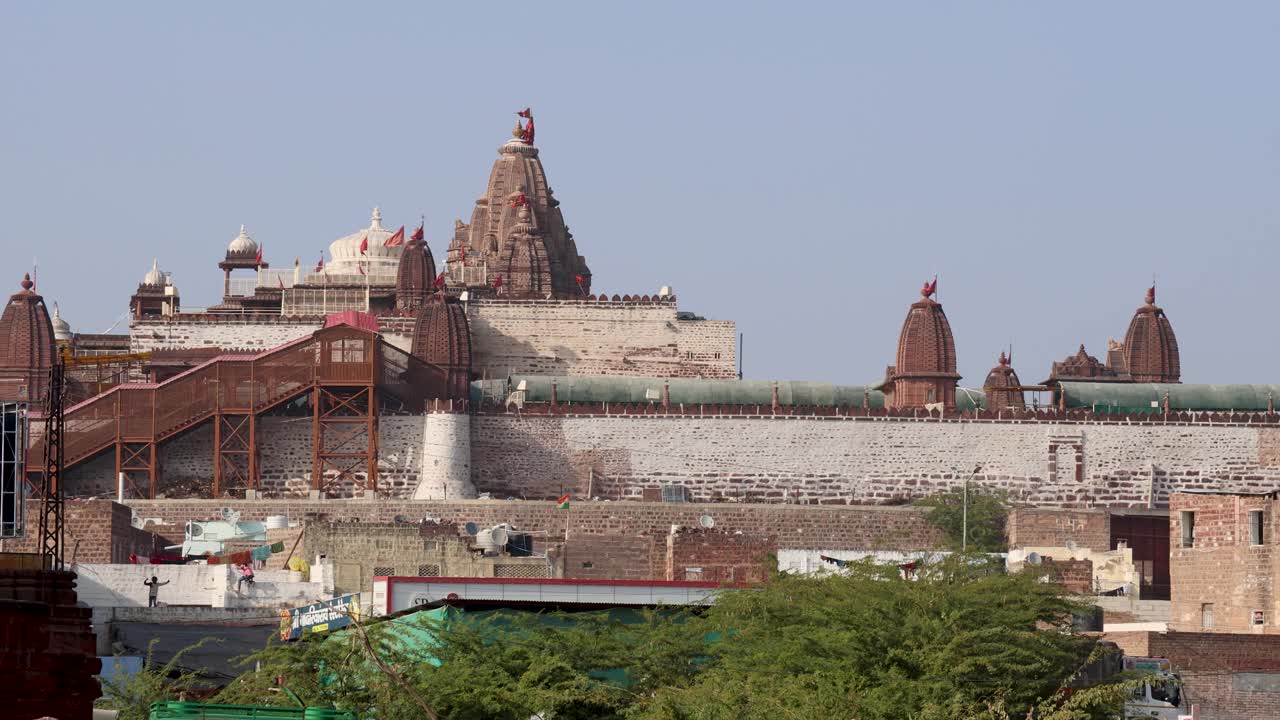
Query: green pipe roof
[
  {"x": 687, "y": 391},
  {"x": 1149, "y": 397}
]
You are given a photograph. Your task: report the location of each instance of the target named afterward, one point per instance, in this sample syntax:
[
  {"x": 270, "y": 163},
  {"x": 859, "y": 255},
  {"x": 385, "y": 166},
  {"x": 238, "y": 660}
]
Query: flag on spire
[
  {"x": 364, "y": 244},
  {"x": 257, "y": 259},
  {"x": 417, "y": 234},
  {"x": 438, "y": 283},
  {"x": 395, "y": 240},
  {"x": 320, "y": 265},
  {"x": 579, "y": 279}
]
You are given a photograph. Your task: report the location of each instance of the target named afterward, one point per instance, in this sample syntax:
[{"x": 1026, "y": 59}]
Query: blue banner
[{"x": 319, "y": 617}]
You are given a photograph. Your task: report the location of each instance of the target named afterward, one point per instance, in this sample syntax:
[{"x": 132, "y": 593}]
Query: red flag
[
  {"x": 258, "y": 258},
  {"x": 395, "y": 240},
  {"x": 526, "y": 113},
  {"x": 519, "y": 200},
  {"x": 364, "y": 244},
  {"x": 320, "y": 265},
  {"x": 578, "y": 279},
  {"x": 930, "y": 287},
  {"x": 462, "y": 255},
  {"x": 417, "y": 234},
  {"x": 497, "y": 282},
  {"x": 439, "y": 281},
  {"x": 527, "y": 137}
]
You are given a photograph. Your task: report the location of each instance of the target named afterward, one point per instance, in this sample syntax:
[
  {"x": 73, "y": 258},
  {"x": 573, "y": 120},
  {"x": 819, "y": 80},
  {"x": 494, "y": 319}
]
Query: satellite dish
[
  {"x": 500, "y": 536},
  {"x": 471, "y": 528},
  {"x": 195, "y": 530},
  {"x": 1033, "y": 558},
  {"x": 400, "y": 519},
  {"x": 707, "y": 521}
]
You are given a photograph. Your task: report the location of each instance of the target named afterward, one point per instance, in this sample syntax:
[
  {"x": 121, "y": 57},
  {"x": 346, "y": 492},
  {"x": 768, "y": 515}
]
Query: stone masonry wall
[
  {"x": 1052, "y": 527},
  {"x": 1222, "y": 574},
  {"x": 96, "y": 531},
  {"x": 582, "y": 337},
  {"x": 712, "y": 555},
  {"x": 840, "y": 459},
  {"x": 548, "y": 337},
  {"x": 793, "y": 526}
]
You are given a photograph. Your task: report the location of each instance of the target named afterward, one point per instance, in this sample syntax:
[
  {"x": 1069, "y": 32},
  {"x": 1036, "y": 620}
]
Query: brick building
[{"x": 1224, "y": 562}]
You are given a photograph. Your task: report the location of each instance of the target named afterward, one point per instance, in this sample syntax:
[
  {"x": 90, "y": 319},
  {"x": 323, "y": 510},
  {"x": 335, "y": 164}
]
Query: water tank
[{"x": 493, "y": 540}]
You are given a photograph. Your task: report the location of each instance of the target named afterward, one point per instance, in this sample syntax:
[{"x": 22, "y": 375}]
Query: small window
[
  {"x": 384, "y": 571},
  {"x": 350, "y": 350},
  {"x": 1206, "y": 616},
  {"x": 1259, "y": 618},
  {"x": 1188, "y": 528},
  {"x": 428, "y": 571},
  {"x": 693, "y": 574},
  {"x": 1255, "y": 527}
]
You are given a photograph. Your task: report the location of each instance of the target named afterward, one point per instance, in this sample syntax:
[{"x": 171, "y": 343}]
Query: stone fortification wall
[
  {"x": 838, "y": 459},
  {"x": 541, "y": 337},
  {"x": 598, "y": 337},
  {"x": 229, "y": 332},
  {"x": 804, "y": 459},
  {"x": 793, "y": 526}
]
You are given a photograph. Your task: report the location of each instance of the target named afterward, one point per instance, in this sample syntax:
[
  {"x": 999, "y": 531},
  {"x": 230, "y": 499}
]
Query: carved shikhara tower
[
  {"x": 517, "y": 244},
  {"x": 1150, "y": 347},
  {"x": 925, "y": 368}
]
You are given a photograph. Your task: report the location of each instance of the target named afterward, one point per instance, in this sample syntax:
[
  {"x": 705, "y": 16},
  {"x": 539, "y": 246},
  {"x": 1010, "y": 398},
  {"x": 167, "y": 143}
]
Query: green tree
[
  {"x": 988, "y": 511},
  {"x": 959, "y": 639},
  {"x": 133, "y": 695}
]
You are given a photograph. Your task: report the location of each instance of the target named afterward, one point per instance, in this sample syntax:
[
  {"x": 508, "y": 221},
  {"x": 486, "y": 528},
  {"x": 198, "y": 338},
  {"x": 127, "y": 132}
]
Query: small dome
[
  {"x": 378, "y": 258},
  {"x": 154, "y": 276},
  {"x": 242, "y": 244},
  {"x": 61, "y": 328}
]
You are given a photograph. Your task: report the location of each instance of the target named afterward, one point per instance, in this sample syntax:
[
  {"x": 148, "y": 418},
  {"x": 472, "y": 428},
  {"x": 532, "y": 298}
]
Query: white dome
[
  {"x": 242, "y": 244},
  {"x": 61, "y": 328},
  {"x": 154, "y": 276},
  {"x": 378, "y": 258}
]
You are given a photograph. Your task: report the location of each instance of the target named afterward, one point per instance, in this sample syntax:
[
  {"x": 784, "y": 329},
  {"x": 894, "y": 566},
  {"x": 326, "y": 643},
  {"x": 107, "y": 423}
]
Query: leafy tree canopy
[{"x": 987, "y": 515}]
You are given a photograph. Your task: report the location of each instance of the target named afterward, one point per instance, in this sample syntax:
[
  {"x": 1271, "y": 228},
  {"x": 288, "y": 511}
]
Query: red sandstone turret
[
  {"x": 414, "y": 275},
  {"x": 27, "y": 347},
  {"x": 925, "y": 371},
  {"x": 1150, "y": 347},
  {"x": 442, "y": 340},
  {"x": 999, "y": 385}
]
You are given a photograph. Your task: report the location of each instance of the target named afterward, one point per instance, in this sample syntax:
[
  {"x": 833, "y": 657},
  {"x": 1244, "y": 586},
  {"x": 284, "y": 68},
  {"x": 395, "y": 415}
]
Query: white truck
[{"x": 1161, "y": 697}]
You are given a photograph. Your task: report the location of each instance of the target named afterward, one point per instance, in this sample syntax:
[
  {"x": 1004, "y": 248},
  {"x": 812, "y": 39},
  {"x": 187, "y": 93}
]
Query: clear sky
[{"x": 801, "y": 168}]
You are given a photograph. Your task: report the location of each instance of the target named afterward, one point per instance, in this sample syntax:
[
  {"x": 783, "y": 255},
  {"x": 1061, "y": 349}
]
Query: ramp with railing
[{"x": 343, "y": 370}]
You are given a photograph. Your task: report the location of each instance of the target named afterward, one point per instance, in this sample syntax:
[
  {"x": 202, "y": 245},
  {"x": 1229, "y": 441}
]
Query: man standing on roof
[{"x": 153, "y": 586}]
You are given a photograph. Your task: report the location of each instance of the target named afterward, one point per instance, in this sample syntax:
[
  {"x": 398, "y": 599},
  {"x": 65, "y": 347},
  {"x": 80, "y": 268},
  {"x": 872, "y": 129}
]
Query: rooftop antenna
[{"x": 35, "y": 272}]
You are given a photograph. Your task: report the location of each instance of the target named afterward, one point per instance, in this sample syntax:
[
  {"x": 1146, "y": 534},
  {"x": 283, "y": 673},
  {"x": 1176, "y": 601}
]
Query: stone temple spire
[
  {"x": 925, "y": 368},
  {"x": 998, "y": 384},
  {"x": 27, "y": 347},
  {"x": 442, "y": 341},
  {"x": 517, "y": 232},
  {"x": 415, "y": 274},
  {"x": 1150, "y": 347}
]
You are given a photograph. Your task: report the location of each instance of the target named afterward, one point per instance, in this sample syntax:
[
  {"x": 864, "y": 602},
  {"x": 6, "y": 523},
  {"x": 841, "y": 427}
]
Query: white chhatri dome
[
  {"x": 378, "y": 258},
  {"x": 61, "y": 328},
  {"x": 154, "y": 276},
  {"x": 242, "y": 244}
]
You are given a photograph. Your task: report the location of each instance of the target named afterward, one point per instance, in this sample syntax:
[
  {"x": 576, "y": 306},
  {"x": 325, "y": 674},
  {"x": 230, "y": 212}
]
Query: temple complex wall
[
  {"x": 529, "y": 337},
  {"x": 752, "y": 458}
]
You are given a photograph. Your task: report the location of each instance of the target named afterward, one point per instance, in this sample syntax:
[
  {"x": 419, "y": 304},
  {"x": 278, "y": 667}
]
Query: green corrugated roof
[
  {"x": 1149, "y": 397},
  {"x": 687, "y": 391}
]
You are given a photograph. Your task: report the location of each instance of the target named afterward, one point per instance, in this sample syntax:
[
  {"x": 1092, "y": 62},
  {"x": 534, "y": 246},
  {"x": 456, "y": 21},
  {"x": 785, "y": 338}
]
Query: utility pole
[
  {"x": 964, "y": 513},
  {"x": 51, "y": 511}
]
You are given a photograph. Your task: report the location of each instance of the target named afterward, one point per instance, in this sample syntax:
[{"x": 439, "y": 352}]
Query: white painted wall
[{"x": 105, "y": 586}]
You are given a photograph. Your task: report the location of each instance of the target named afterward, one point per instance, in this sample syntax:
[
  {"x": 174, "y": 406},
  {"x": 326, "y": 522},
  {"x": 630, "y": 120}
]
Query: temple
[{"x": 499, "y": 369}]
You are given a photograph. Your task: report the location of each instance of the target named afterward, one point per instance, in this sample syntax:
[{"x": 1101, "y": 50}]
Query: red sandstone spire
[
  {"x": 27, "y": 347},
  {"x": 998, "y": 383},
  {"x": 442, "y": 340},
  {"x": 415, "y": 275},
  {"x": 925, "y": 371},
  {"x": 517, "y": 231},
  {"x": 1150, "y": 347}
]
